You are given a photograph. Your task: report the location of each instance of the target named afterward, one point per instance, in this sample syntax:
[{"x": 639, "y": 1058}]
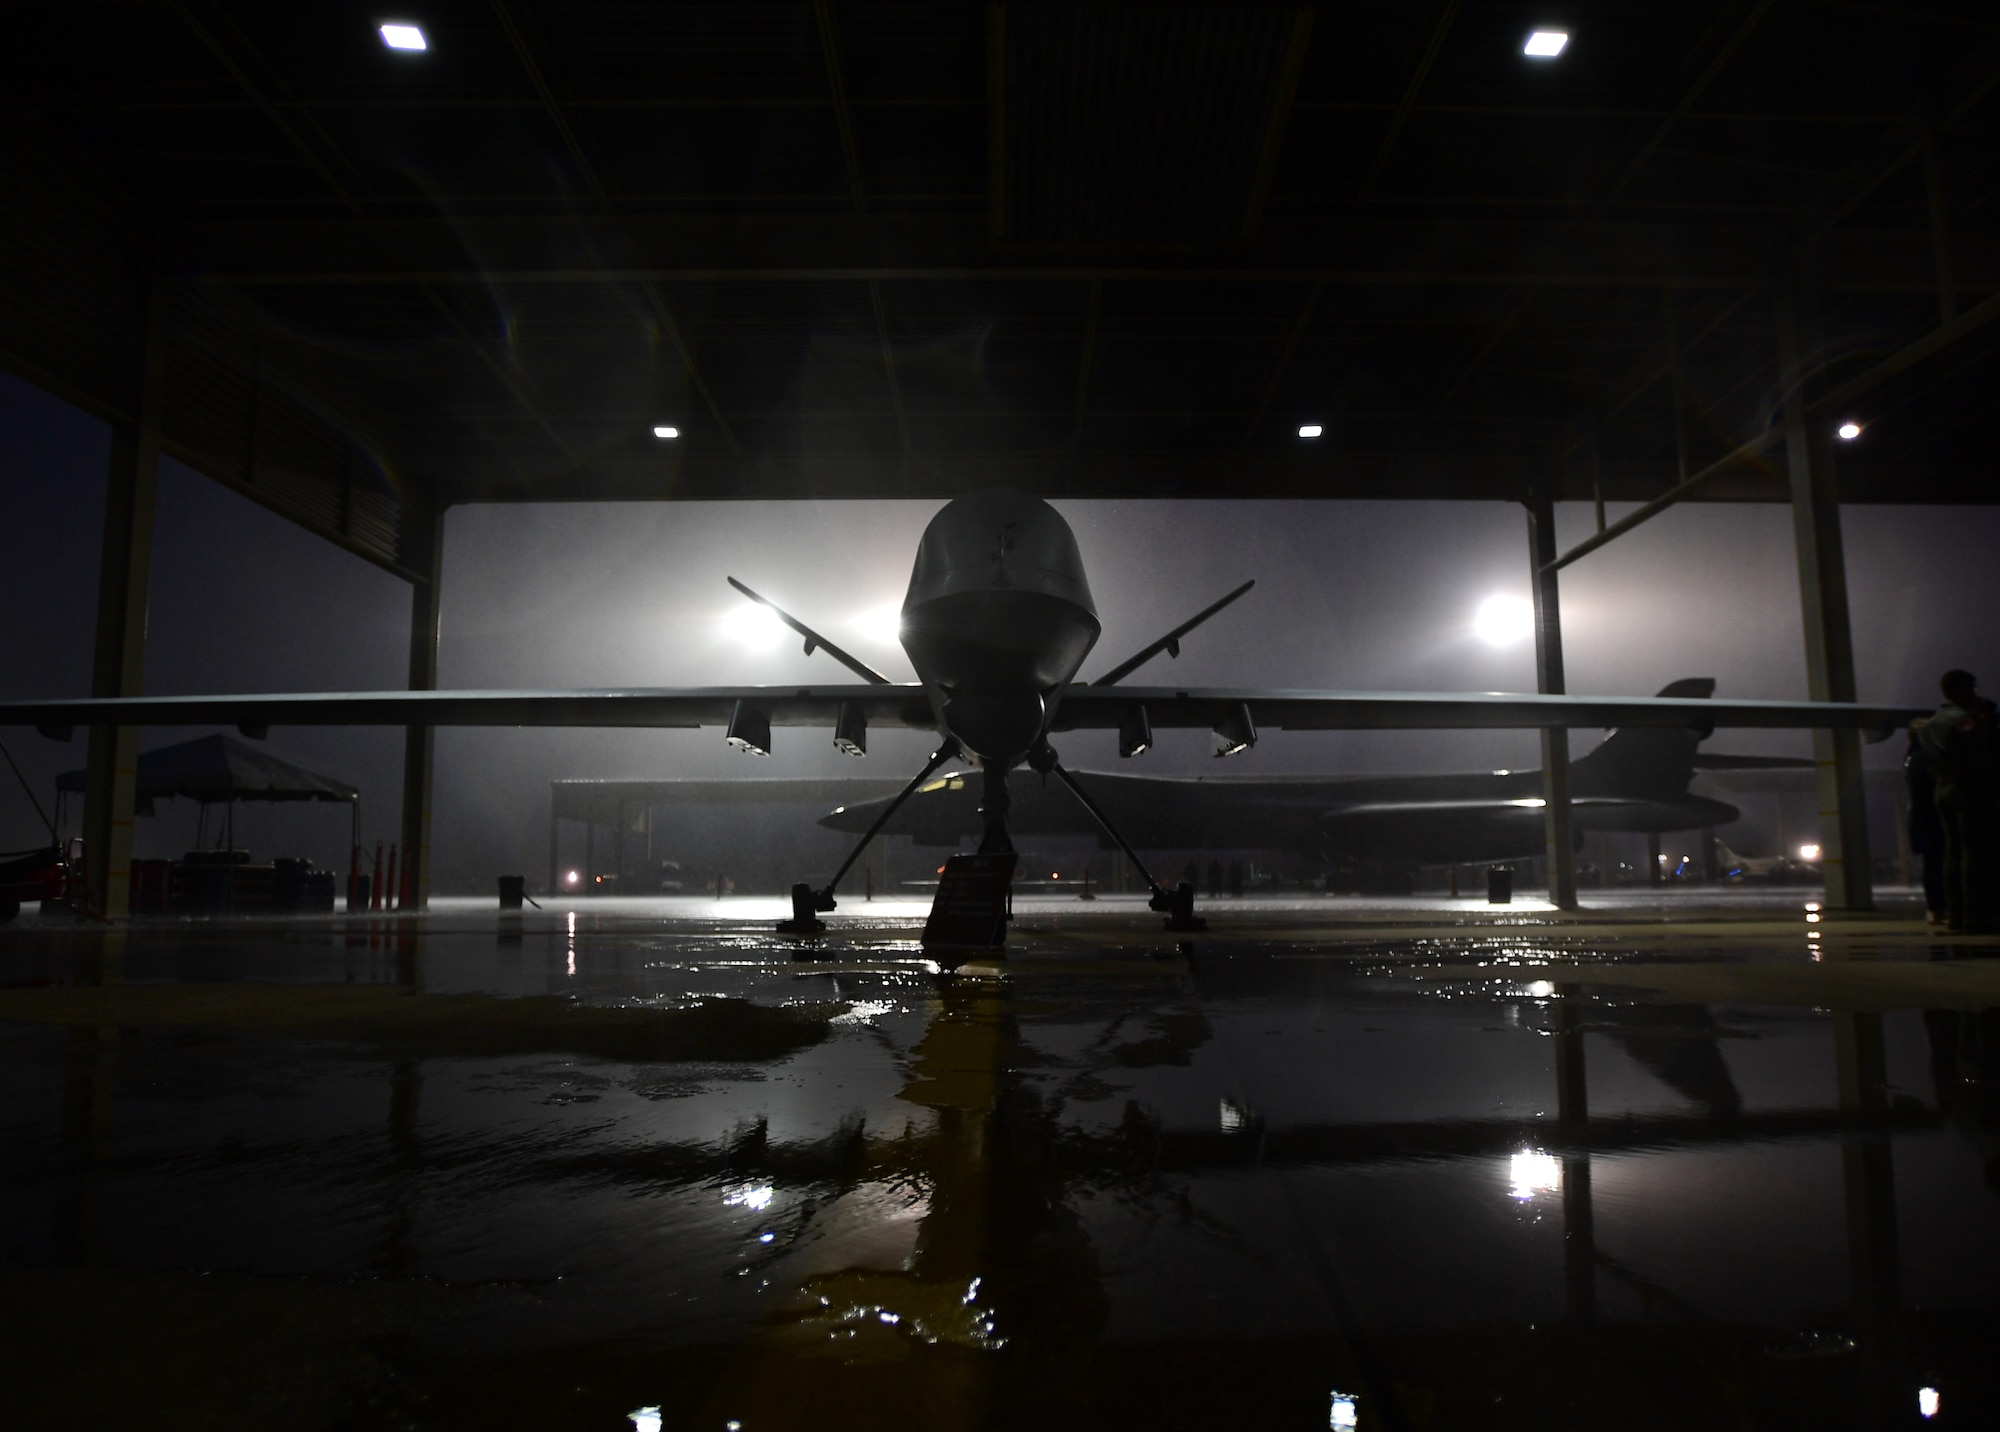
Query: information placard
[{"x": 970, "y": 911}]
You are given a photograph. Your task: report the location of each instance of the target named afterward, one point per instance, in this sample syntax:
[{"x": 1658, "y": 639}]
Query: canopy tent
[
  {"x": 219, "y": 768},
  {"x": 222, "y": 768}
]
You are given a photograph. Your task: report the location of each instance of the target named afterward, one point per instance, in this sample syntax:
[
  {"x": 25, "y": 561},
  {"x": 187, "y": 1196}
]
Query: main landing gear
[
  {"x": 808, "y": 902},
  {"x": 1176, "y": 904}
]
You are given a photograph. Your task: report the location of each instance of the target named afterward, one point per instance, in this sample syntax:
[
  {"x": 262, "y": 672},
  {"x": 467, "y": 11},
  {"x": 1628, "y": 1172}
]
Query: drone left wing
[{"x": 642, "y": 707}]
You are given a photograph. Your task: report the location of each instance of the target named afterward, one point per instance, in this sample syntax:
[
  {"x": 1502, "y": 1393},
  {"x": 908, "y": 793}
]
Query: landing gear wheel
[{"x": 805, "y": 913}]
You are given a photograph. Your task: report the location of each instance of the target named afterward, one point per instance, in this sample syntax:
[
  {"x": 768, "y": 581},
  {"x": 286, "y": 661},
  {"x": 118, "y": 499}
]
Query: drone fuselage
[{"x": 997, "y": 620}]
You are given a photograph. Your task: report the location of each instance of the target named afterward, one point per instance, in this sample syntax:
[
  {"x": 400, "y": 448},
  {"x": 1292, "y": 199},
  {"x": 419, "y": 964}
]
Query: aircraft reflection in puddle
[{"x": 1064, "y": 1189}]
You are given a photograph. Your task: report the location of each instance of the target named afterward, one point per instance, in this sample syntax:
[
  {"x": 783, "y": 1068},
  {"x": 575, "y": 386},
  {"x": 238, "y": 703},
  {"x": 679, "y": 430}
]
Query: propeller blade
[
  {"x": 1170, "y": 643},
  {"x": 814, "y": 639}
]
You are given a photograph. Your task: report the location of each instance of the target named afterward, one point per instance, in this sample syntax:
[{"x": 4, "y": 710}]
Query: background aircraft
[{"x": 1636, "y": 780}]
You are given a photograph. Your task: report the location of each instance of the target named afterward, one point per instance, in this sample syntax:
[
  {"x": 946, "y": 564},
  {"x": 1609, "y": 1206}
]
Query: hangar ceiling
[{"x": 850, "y": 248}]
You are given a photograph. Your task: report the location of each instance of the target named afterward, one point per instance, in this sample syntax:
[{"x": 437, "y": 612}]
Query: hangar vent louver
[{"x": 1150, "y": 126}]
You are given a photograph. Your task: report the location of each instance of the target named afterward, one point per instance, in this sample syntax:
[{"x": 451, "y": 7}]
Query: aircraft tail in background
[{"x": 1647, "y": 761}]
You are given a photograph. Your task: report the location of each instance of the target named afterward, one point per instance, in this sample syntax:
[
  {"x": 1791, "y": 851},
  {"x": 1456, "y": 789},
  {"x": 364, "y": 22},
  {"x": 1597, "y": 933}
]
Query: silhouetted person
[
  {"x": 1214, "y": 879},
  {"x": 1925, "y": 825},
  {"x": 1959, "y": 741}
]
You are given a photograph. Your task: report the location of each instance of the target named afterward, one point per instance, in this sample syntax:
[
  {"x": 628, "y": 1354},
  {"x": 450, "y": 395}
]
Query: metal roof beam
[
  {"x": 1908, "y": 356},
  {"x": 1439, "y": 30},
  {"x": 1057, "y": 472},
  {"x": 726, "y": 248},
  {"x": 836, "y": 84},
  {"x": 525, "y": 50}
]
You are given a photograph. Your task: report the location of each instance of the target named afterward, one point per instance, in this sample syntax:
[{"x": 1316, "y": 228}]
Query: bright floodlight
[
  {"x": 666, "y": 432},
  {"x": 884, "y": 624},
  {"x": 1546, "y": 44},
  {"x": 1502, "y": 621},
  {"x": 754, "y": 627},
  {"x": 1849, "y": 431},
  {"x": 1927, "y": 1402},
  {"x": 645, "y": 1419},
  {"x": 404, "y": 37},
  {"x": 1809, "y": 852},
  {"x": 1309, "y": 430}
]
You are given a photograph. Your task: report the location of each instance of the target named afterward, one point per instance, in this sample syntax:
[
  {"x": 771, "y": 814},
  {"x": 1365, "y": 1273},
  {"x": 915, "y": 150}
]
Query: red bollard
[
  {"x": 375, "y": 884},
  {"x": 388, "y": 894}
]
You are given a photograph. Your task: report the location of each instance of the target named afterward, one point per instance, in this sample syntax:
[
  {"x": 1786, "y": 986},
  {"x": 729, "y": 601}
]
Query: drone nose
[{"x": 995, "y": 725}]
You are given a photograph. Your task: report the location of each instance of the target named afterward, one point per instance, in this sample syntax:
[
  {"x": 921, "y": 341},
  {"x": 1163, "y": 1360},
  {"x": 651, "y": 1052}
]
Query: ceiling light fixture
[
  {"x": 666, "y": 433},
  {"x": 1849, "y": 432},
  {"x": 1545, "y": 44},
  {"x": 404, "y": 37},
  {"x": 1309, "y": 430}
]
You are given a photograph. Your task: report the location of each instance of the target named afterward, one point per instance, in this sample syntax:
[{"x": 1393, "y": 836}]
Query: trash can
[
  {"x": 288, "y": 882},
  {"x": 1499, "y": 885},
  {"x": 511, "y": 890}
]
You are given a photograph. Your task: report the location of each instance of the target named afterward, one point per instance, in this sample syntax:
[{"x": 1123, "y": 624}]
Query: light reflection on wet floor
[{"x": 1432, "y": 1171}]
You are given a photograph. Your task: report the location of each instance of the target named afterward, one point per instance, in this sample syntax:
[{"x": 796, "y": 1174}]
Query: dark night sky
[{"x": 1355, "y": 595}]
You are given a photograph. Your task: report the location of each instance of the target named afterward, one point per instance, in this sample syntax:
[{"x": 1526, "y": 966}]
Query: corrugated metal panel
[
  {"x": 236, "y": 416},
  {"x": 1137, "y": 125},
  {"x": 69, "y": 285},
  {"x": 70, "y": 308}
]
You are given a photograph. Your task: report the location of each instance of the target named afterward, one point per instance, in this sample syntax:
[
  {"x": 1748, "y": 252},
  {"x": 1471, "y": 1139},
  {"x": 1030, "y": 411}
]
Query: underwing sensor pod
[
  {"x": 1236, "y": 732},
  {"x": 750, "y": 728},
  {"x": 1135, "y": 733},
  {"x": 850, "y": 729}
]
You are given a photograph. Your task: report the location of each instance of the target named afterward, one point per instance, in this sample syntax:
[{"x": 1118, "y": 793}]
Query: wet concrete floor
[{"x": 646, "y": 1165}]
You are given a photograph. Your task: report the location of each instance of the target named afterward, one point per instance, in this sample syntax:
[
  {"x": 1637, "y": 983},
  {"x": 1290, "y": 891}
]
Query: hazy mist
[{"x": 1358, "y": 595}]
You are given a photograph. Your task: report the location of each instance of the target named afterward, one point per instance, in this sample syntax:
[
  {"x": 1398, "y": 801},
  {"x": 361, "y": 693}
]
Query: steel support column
[
  {"x": 123, "y": 581},
  {"x": 1542, "y": 552},
  {"x": 1843, "y": 799},
  {"x": 424, "y": 541}
]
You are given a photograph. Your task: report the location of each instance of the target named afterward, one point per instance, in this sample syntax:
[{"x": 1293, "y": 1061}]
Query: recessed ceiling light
[
  {"x": 666, "y": 432},
  {"x": 1546, "y": 44},
  {"x": 1849, "y": 431},
  {"x": 404, "y": 37},
  {"x": 1310, "y": 430}
]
